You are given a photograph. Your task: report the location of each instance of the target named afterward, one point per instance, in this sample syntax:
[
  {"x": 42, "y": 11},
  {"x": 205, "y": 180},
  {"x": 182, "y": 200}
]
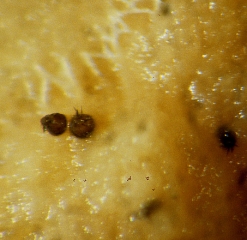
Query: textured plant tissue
[{"x": 159, "y": 78}]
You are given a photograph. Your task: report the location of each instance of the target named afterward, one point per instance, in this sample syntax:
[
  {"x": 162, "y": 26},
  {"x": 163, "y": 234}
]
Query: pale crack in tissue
[{"x": 157, "y": 93}]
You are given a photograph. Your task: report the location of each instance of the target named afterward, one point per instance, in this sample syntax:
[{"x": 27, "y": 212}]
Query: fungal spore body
[
  {"x": 81, "y": 125},
  {"x": 54, "y": 123}
]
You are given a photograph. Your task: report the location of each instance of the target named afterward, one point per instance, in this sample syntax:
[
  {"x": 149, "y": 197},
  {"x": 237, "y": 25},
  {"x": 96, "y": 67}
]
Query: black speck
[
  {"x": 81, "y": 125},
  {"x": 54, "y": 123},
  {"x": 227, "y": 138}
]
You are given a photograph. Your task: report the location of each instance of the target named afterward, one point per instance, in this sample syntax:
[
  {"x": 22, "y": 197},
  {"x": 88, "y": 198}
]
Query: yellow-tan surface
[{"x": 159, "y": 78}]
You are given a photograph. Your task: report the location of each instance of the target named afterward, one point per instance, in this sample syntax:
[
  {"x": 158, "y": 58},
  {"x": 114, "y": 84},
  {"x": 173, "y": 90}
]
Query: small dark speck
[
  {"x": 147, "y": 178},
  {"x": 129, "y": 179}
]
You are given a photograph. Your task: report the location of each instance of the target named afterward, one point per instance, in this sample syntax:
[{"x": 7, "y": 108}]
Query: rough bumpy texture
[
  {"x": 159, "y": 78},
  {"x": 81, "y": 125},
  {"x": 54, "y": 123}
]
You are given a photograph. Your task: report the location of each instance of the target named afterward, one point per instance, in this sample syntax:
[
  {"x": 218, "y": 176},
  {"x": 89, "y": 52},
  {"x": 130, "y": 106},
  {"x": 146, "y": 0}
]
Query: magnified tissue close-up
[{"x": 123, "y": 119}]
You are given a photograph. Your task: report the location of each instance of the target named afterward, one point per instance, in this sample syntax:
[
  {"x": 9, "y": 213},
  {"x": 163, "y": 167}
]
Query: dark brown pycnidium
[
  {"x": 81, "y": 125},
  {"x": 227, "y": 138},
  {"x": 54, "y": 123}
]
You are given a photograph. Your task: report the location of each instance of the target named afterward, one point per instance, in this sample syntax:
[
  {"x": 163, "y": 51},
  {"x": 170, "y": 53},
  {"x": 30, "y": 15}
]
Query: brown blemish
[
  {"x": 164, "y": 8},
  {"x": 149, "y": 208},
  {"x": 141, "y": 127},
  {"x": 146, "y": 210},
  {"x": 242, "y": 177}
]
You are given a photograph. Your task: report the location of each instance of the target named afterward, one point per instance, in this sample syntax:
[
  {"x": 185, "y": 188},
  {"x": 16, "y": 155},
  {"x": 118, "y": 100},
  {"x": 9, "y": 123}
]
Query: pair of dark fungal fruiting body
[{"x": 81, "y": 125}]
